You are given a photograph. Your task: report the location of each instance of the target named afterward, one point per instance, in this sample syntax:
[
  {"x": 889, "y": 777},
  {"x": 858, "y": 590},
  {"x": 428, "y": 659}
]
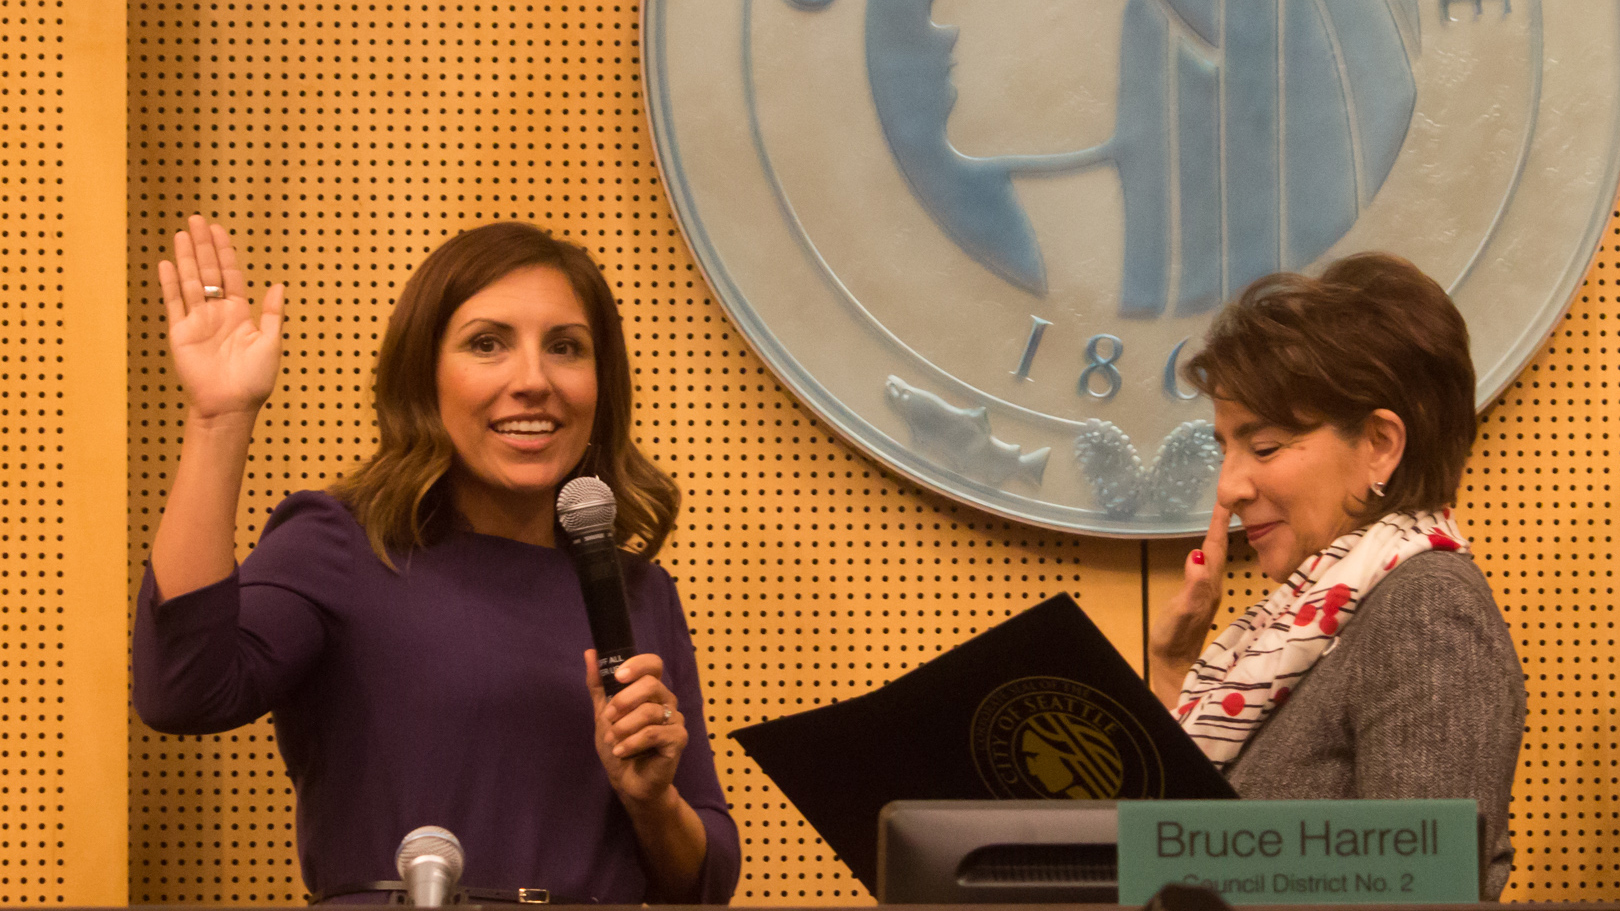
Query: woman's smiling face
[
  {"x": 517, "y": 390},
  {"x": 1294, "y": 491}
]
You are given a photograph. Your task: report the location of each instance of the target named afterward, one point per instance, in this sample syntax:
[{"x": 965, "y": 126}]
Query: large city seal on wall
[
  {"x": 979, "y": 238},
  {"x": 1052, "y": 738}
]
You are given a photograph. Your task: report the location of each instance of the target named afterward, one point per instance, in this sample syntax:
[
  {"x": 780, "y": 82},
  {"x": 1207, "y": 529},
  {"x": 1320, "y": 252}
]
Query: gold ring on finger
[{"x": 213, "y": 292}]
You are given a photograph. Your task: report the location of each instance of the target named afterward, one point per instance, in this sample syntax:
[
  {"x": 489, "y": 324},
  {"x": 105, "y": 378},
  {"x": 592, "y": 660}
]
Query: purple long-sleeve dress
[{"x": 451, "y": 693}]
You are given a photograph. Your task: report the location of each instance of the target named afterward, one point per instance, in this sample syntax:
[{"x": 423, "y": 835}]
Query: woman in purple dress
[{"x": 417, "y": 631}]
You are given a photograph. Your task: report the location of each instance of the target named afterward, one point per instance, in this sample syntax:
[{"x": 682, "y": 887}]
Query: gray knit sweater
[{"x": 1423, "y": 696}]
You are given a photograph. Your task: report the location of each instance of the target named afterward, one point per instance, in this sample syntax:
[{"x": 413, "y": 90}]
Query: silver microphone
[
  {"x": 429, "y": 861},
  {"x": 586, "y": 509}
]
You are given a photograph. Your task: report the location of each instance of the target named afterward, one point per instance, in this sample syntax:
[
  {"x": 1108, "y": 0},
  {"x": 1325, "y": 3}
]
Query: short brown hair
[
  {"x": 400, "y": 496},
  {"x": 1373, "y": 332}
]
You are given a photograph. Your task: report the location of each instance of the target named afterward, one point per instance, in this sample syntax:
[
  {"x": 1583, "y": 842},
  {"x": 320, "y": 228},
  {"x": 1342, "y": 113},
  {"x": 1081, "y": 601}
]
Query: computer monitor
[{"x": 995, "y": 851}]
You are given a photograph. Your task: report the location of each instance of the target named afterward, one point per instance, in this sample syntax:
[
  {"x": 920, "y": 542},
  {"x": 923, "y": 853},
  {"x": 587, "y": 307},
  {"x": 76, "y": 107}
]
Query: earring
[{"x": 1378, "y": 488}]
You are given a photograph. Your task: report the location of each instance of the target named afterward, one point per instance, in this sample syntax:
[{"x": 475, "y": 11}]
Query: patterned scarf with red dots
[{"x": 1247, "y": 673}]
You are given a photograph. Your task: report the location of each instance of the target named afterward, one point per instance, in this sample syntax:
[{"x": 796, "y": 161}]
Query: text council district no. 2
[{"x": 1287, "y": 884}]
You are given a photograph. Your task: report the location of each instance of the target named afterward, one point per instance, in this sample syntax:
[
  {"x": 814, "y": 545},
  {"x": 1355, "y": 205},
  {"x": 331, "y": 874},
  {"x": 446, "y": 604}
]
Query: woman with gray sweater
[{"x": 1381, "y": 666}]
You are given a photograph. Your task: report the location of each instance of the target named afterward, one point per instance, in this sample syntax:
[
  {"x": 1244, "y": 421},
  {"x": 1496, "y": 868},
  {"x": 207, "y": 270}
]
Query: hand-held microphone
[
  {"x": 586, "y": 509},
  {"x": 429, "y": 861}
]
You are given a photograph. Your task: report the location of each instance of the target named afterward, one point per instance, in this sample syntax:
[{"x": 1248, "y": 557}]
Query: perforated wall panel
[
  {"x": 61, "y": 459},
  {"x": 344, "y": 140},
  {"x": 32, "y": 604},
  {"x": 1538, "y": 504}
]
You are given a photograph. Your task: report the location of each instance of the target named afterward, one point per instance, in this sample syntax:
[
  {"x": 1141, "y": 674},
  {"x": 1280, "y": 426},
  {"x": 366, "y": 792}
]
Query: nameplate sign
[{"x": 1302, "y": 852}]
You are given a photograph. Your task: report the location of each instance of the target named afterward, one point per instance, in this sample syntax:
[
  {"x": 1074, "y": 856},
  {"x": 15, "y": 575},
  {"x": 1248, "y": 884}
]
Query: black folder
[{"x": 1041, "y": 706}]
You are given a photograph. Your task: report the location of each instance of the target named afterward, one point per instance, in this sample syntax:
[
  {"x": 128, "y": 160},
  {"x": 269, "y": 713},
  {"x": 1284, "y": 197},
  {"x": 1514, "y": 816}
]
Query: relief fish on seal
[{"x": 961, "y": 436}]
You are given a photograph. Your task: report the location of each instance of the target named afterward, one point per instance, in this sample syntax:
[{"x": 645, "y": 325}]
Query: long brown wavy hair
[{"x": 401, "y": 496}]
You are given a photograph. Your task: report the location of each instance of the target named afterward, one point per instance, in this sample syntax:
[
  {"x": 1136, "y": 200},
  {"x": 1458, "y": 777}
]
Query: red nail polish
[{"x": 1198, "y": 557}]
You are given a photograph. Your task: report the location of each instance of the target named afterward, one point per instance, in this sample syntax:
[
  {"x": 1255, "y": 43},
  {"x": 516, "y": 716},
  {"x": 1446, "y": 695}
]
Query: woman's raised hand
[
  {"x": 227, "y": 364},
  {"x": 227, "y": 361},
  {"x": 1178, "y": 632}
]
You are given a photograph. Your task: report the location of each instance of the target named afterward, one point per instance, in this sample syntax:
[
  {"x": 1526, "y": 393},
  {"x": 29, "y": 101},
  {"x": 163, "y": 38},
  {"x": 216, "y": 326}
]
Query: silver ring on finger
[
  {"x": 213, "y": 292},
  {"x": 669, "y": 714}
]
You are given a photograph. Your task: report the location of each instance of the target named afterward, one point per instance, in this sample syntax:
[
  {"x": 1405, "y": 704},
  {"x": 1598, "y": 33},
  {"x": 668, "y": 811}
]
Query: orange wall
[{"x": 63, "y": 682}]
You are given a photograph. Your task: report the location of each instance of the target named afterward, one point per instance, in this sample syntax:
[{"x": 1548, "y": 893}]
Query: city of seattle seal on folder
[{"x": 1041, "y": 706}]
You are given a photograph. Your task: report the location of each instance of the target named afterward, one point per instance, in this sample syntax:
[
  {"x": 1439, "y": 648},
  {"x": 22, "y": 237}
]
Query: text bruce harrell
[{"x": 1314, "y": 840}]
